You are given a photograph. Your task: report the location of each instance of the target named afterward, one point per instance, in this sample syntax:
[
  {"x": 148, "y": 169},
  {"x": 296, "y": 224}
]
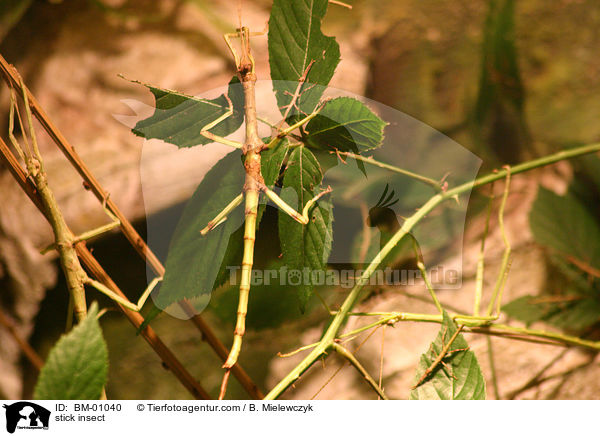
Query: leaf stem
[
  {"x": 520, "y": 332},
  {"x": 435, "y": 184}
]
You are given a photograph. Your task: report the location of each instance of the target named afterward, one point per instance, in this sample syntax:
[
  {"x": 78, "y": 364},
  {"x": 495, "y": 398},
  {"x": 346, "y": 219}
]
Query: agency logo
[{"x": 24, "y": 415}]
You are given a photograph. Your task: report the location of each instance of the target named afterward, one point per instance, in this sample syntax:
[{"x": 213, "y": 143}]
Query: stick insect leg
[
  {"x": 216, "y": 138},
  {"x": 11, "y": 124},
  {"x": 87, "y": 235},
  {"x": 94, "y": 232},
  {"x": 297, "y": 93},
  {"x": 116, "y": 222},
  {"x": 301, "y": 218},
  {"x": 123, "y": 301},
  {"x": 284, "y": 132},
  {"x": 227, "y": 38},
  {"x": 222, "y": 216}
]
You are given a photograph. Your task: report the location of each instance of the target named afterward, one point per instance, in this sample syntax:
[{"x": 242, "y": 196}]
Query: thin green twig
[
  {"x": 429, "y": 287},
  {"x": 490, "y": 353},
  {"x": 435, "y": 184},
  {"x": 423, "y": 270},
  {"x": 481, "y": 259},
  {"x": 346, "y": 354},
  {"x": 505, "y": 266}
]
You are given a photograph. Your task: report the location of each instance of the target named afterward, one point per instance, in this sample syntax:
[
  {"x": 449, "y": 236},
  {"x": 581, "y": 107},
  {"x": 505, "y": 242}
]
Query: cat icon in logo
[{"x": 26, "y": 415}]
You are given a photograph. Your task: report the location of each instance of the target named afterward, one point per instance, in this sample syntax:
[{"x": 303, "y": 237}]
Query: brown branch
[
  {"x": 27, "y": 350},
  {"x": 487, "y": 330},
  {"x": 11, "y": 77},
  {"x": 239, "y": 373},
  {"x": 584, "y": 266}
]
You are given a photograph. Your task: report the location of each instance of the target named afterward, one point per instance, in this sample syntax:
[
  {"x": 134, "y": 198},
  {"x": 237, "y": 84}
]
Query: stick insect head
[{"x": 244, "y": 63}]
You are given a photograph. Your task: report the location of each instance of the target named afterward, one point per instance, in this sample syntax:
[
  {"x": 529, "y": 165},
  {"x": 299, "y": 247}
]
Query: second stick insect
[{"x": 254, "y": 183}]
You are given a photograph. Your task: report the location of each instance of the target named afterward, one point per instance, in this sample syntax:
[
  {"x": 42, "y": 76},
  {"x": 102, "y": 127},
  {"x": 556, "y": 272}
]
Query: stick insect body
[{"x": 254, "y": 183}]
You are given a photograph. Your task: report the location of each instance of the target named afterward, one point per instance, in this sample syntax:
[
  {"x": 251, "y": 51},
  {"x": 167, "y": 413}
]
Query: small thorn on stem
[{"x": 337, "y": 152}]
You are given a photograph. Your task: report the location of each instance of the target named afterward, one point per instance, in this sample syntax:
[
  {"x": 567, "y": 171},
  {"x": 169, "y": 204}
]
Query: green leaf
[
  {"x": 193, "y": 260},
  {"x": 459, "y": 379},
  {"x": 77, "y": 366},
  {"x": 271, "y": 161},
  {"x": 197, "y": 264},
  {"x": 346, "y": 124},
  {"x": 305, "y": 246},
  {"x": 295, "y": 40},
  {"x": 577, "y": 315},
  {"x": 179, "y": 118},
  {"x": 573, "y": 312},
  {"x": 566, "y": 226},
  {"x": 527, "y": 310}
]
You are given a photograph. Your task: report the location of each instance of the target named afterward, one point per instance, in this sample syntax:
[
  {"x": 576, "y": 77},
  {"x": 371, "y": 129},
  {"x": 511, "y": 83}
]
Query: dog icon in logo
[{"x": 24, "y": 414}]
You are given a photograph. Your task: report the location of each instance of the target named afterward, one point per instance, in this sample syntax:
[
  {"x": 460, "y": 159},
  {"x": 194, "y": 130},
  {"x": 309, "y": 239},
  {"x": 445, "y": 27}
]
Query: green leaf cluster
[{"x": 303, "y": 61}]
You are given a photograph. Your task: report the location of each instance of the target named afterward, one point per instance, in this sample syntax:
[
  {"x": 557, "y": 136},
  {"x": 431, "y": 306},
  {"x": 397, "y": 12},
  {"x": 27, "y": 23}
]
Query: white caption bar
[{"x": 287, "y": 418}]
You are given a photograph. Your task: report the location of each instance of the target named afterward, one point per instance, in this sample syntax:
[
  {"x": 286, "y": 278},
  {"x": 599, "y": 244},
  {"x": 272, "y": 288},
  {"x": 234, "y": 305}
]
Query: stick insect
[
  {"x": 254, "y": 183},
  {"x": 445, "y": 351},
  {"x": 64, "y": 239}
]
